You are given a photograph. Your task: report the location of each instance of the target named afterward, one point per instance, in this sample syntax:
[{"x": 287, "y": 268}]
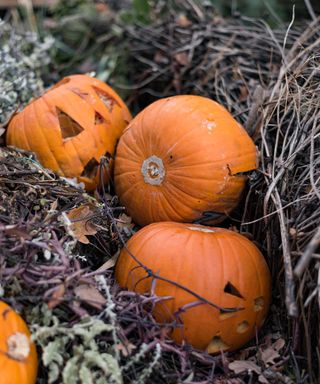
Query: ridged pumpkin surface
[
  {"x": 18, "y": 358},
  {"x": 180, "y": 157},
  {"x": 221, "y": 266},
  {"x": 71, "y": 126}
]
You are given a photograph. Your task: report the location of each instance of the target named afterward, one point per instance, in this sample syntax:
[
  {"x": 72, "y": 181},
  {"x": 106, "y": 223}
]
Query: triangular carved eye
[
  {"x": 106, "y": 98},
  {"x": 98, "y": 119},
  {"x": 90, "y": 169},
  {"x": 69, "y": 127},
  {"x": 232, "y": 290}
]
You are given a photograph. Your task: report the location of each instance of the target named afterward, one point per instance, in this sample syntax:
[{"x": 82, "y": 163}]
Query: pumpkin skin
[
  {"x": 221, "y": 266},
  {"x": 18, "y": 360},
  {"x": 71, "y": 126},
  {"x": 180, "y": 157}
]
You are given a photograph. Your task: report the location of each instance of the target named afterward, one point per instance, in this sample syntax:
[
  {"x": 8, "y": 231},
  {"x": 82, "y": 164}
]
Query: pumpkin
[
  {"x": 71, "y": 126},
  {"x": 18, "y": 359},
  {"x": 181, "y": 158},
  {"x": 219, "y": 265}
]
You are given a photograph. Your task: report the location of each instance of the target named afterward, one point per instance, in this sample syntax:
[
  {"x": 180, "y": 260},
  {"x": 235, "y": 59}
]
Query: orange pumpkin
[
  {"x": 71, "y": 126},
  {"x": 219, "y": 265},
  {"x": 18, "y": 358},
  {"x": 180, "y": 157}
]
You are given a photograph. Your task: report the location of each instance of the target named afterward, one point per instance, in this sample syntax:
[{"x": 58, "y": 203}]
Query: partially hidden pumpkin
[
  {"x": 18, "y": 358},
  {"x": 219, "y": 265},
  {"x": 181, "y": 158},
  {"x": 71, "y": 127}
]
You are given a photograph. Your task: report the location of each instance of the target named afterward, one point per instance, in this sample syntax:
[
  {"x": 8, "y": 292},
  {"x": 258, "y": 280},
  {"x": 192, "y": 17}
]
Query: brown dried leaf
[
  {"x": 279, "y": 344},
  {"x": 13, "y": 230},
  {"x": 109, "y": 263},
  {"x": 56, "y": 296},
  {"x": 243, "y": 93},
  {"x": 90, "y": 295},
  {"x": 125, "y": 222},
  {"x": 240, "y": 366},
  {"x": 263, "y": 380},
  {"x": 126, "y": 348},
  {"x": 269, "y": 355},
  {"x": 183, "y": 21},
  {"x": 81, "y": 226},
  {"x": 159, "y": 58},
  {"x": 182, "y": 58}
]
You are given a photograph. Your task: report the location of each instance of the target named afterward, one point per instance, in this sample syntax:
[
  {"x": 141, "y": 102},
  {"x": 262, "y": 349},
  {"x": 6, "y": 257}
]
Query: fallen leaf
[
  {"x": 243, "y": 93},
  {"x": 80, "y": 226},
  {"x": 13, "y": 230},
  {"x": 183, "y": 21},
  {"x": 263, "y": 380},
  {"x": 109, "y": 263},
  {"x": 182, "y": 58},
  {"x": 90, "y": 295},
  {"x": 269, "y": 355},
  {"x": 279, "y": 344},
  {"x": 159, "y": 58},
  {"x": 126, "y": 348},
  {"x": 125, "y": 222},
  {"x": 56, "y": 296},
  {"x": 240, "y": 366}
]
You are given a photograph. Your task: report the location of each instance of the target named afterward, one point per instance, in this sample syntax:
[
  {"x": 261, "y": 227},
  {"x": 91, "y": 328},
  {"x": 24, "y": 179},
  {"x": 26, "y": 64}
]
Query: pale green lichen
[
  {"x": 79, "y": 354},
  {"x": 22, "y": 55}
]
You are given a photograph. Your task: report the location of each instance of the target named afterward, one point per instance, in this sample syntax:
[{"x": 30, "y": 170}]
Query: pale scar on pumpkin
[
  {"x": 198, "y": 229},
  {"x": 217, "y": 345},
  {"x": 153, "y": 170},
  {"x": 243, "y": 327},
  {"x": 18, "y": 346},
  {"x": 258, "y": 304},
  {"x": 226, "y": 315}
]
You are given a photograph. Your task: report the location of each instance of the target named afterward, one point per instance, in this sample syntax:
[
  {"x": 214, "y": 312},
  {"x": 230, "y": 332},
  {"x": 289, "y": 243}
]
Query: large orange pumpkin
[
  {"x": 181, "y": 157},
  {"x": 18, "y": 358},
  {"x": 219, "y": 265},
  {"x": 71, "y": 126}
]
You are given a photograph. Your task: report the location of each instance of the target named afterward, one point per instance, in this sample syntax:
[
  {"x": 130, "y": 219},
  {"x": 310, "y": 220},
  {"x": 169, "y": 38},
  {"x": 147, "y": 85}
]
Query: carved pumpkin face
[
  {"x": 221, "y": 266},
  {"x": 71, "y": 126},
  {"x": 18, "y": 360},
  {"x": 181, "y": 157}
]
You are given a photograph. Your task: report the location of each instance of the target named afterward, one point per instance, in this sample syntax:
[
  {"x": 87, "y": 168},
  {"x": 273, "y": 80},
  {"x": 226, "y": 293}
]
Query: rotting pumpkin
[
  {"x": 71, "y": 127},
  {"x": 180, "y": 158},
  {"x": 220, "y": 265},
  {"x": 18, "y": 361}
]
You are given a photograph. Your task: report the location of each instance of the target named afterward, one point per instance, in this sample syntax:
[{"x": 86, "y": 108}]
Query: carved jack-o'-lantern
[
  {"x": 71, "y": 126},
  {"x": 219, "y": 265}
]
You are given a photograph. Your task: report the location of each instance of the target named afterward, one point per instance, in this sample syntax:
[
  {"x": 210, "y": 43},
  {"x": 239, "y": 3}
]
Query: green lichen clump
[{"x": 22, "y": 55}]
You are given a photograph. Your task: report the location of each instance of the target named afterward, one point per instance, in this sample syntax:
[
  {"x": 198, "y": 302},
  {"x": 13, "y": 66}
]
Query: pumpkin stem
[
  {"x": 18, "y": 346},
  {"x": 153, "y": 170}
]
